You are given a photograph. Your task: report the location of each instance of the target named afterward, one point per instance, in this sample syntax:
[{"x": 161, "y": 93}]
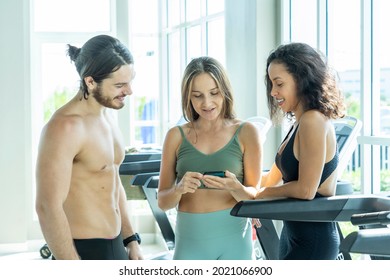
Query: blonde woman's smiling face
[{"x": 206, "y": 97}]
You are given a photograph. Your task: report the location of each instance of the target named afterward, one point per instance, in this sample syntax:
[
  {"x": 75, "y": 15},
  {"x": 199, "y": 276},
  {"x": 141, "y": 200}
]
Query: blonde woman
[{"x": 212, "y": 140}]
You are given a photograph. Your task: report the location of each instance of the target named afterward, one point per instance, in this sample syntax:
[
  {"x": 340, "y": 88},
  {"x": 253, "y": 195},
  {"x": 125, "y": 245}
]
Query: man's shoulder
[
  {"x": 62, "y": 123},
  {"x": 63, "y": 136}
]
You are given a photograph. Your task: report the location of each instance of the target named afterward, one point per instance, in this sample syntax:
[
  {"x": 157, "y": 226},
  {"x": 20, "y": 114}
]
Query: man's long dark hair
[{"x": 99, "y": 57}]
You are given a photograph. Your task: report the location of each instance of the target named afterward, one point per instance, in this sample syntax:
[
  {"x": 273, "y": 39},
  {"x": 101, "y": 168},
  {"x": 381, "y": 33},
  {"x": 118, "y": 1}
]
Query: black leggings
[
  {"x": 101, "y": 249},
  {"x": 309, "y": 241}
]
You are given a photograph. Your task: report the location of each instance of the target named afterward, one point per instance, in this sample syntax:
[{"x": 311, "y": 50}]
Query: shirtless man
[{"x": 81, "y": 203}]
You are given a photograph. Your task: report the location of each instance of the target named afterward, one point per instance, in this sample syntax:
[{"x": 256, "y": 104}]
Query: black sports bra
[{"x": 289, "y": 165}]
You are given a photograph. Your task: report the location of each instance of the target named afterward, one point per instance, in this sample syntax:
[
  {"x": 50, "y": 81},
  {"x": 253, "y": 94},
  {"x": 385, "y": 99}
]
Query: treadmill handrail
[
  {"x": 150, "y": 190},
  {"x": 324, "y": 209},
  {"x": 132, "y": 157},
  {"x": 373, "y": 218},
  {"x": 136, "y": 167},
  {"x": 141, "y": 178},
  {"x": 374, "y": 242}
]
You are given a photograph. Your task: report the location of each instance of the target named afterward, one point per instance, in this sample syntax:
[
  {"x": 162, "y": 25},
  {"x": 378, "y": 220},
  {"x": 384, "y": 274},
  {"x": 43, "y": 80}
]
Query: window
[
  {"x": 55, "y": 78},
  {"x": 193, "y": 9},
  {"x": 216, "y": 39},
  {"x": 304, "y": 21},
  {"x": 173, "y": 33},
  {"x": 162, "y": 43},
  {"x": 381, "y": 89},
  {"x": 72, "y": 16},
  {"x": 144, "y": 104},
  {"x": 57, "y": 88},
  {"x": 381, "y": 45},
  {"x": 190, "y": 28},
  {"x": 344, "y": 54},
  {"x": 351, "y": 34}
]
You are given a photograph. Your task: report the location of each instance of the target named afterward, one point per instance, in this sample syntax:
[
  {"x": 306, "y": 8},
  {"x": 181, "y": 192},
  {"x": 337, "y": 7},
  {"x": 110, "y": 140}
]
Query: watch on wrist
[{"x": 134, "y": 237}]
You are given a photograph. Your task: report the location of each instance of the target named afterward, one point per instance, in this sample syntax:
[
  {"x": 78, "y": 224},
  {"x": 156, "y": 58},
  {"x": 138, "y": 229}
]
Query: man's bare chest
[{"x": 103, "y": 148}]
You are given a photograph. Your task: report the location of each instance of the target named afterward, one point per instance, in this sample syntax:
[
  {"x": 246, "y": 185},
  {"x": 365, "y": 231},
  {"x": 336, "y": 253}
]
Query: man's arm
[
  {"x": 133, "y": 248},
  {"x": 56, "y": 152}
]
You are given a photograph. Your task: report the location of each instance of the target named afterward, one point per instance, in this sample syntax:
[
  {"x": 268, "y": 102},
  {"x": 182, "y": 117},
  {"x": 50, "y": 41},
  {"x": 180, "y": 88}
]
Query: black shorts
[{"x": 101, "y": 249}]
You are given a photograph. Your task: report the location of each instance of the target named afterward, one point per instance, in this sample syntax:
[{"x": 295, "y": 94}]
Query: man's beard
[{"x": 105, "y": 101}]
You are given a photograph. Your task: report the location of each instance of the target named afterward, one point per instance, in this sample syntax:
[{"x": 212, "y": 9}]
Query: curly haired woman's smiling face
[{"x": 283, "y": 87}]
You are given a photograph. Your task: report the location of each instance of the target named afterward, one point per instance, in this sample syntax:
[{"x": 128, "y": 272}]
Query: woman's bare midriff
[{"x": 206, "y": 200}]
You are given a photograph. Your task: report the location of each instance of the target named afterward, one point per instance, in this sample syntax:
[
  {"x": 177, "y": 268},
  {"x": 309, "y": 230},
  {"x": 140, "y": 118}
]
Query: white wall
[
  {"x": 268, "y": 37},
  {"x": 15, "y": 139},
  {"x": 241, "y": 55}
]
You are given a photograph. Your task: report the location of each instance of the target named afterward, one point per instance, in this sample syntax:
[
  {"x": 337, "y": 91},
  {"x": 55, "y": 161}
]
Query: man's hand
[{"x": 134, "y": 251}]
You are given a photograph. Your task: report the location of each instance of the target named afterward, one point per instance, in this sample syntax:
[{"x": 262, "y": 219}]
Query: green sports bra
[{"x": 229, "y": 158}]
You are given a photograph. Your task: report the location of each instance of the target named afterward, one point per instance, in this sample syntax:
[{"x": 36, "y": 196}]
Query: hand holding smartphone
[{"x": 215, "y": 173}]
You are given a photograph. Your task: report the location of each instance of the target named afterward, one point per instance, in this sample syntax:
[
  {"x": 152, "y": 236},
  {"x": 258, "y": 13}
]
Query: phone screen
[{"x": 215, "y": 173}]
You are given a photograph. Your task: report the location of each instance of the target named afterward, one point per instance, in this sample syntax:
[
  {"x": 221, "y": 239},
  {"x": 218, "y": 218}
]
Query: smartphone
[{"x": 215, "y": 173}]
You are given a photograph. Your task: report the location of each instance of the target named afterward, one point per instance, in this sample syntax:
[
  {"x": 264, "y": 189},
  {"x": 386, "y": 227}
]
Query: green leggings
[{"x": 212, "y": 236}]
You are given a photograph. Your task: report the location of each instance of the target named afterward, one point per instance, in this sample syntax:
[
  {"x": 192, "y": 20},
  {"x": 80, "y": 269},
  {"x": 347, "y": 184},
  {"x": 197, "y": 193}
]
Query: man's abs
[{"x": 92, "y": 209}]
